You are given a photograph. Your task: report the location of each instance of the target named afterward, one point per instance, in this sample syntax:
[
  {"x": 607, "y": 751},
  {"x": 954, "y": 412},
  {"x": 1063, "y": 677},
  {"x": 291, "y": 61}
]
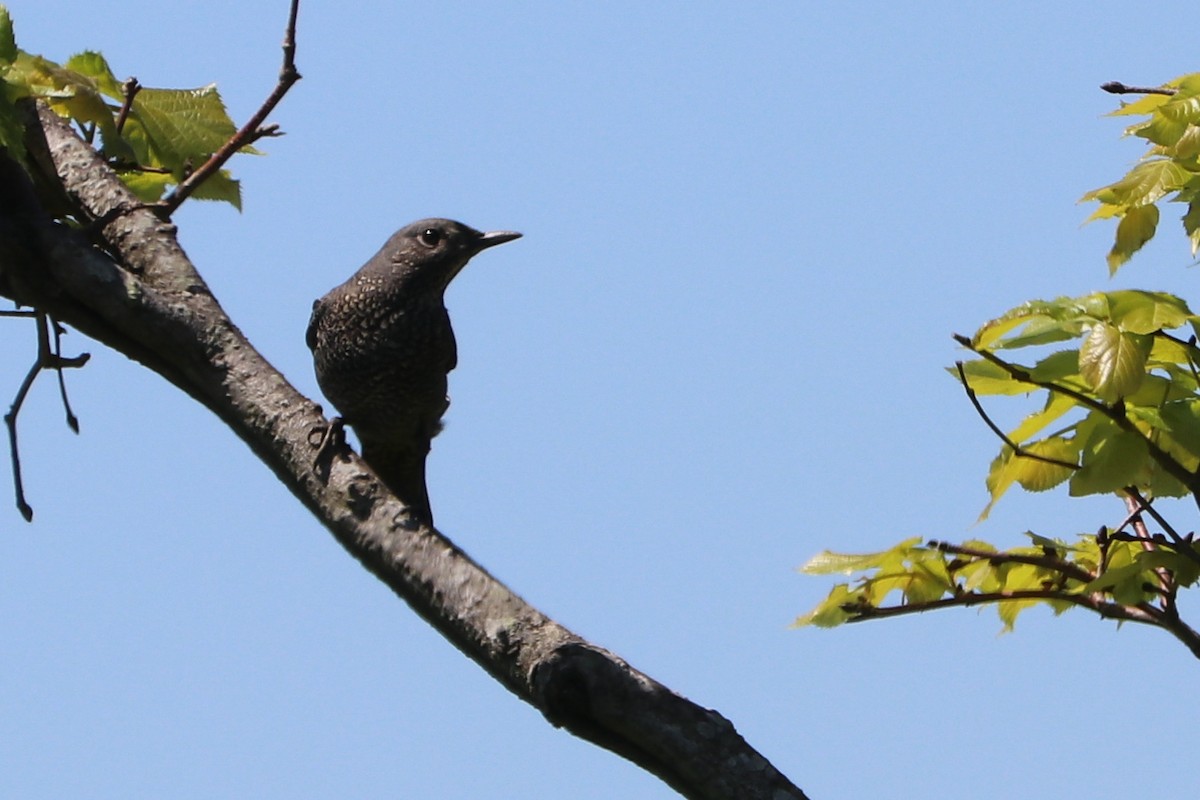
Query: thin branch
[
  {"x": 129, "y": 89},
  {"x": 251, "y": 131},
  {"x": 1105, "y": 608},
  {"x": 1069, "y": 570},
  {"x": 1018, "y": 451},
  {"x": 47, "y": 358},
  {"x": 1116, "y": 87}
]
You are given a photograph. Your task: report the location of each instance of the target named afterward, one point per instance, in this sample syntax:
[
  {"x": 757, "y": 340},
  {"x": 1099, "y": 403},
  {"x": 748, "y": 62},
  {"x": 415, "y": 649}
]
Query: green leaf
[
  {"x": 1146, "y": 183},
  {"x": 1182, "y": 420},
  {"x": 8, "y": 40},
  {"x": 1057, "y": 366},
  {"x": 1191, "y": 225},
  {"x": 1113, "y": 362},
  {"x": 12, "y": 130},
  {"x": 182, "y": 127},
  {"x": 220, "y": 186},
  {"x": 1112, "y": 459},
  {"x": 1133, "y": 231},
  {"x": 148, "y": 186},
  {"x": 984, "y": 377},
  {"x": 1139, "y": 311},
  {"x": 1035, "y": 475},
  {"x": 830, "y": 612},
  {"x": 92, "y": 65},
  {"x": 827, "y": 563},
  {"x": 1056, "y": 406}
]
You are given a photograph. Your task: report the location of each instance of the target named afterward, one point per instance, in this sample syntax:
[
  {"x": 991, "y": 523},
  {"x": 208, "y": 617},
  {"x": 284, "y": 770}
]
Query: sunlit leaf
[
  {"x": 92, "y": 65},
  {"x": 1056, "y": 406},
  {"x": 1035, "y": 475},
  {"x": 829, "y": 613},
  {"x": 1112, "y": 361},
  {"x": 1112, "y": 459},
  {"x": 1133, "y": 231},
  {"x": 827, "y": 563},
  {"x": 183, "y": 127},
  {"x": 1138, "y": 311}
]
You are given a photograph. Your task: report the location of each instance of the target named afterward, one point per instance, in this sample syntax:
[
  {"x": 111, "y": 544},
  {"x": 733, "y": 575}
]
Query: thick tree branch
[{"x": 144, "y": 298}]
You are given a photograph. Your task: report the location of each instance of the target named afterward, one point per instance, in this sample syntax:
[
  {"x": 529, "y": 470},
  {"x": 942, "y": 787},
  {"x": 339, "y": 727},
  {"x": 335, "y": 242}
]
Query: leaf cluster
[
  {"x": 1168, "y": 170},
  {"x": 1120, "y": 409},
  {"x": 153, "y": 138},
  {"x": 1119, "y": 576},
  {"x": 1116, "y": 376}
]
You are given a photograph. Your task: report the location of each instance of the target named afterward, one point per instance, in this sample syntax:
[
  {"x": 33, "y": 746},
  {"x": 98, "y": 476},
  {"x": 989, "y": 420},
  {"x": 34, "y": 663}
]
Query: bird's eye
[{"x": 430, "y": 237}]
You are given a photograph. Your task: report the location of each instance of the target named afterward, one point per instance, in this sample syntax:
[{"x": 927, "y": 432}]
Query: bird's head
[{"x": 435, "y": 250}]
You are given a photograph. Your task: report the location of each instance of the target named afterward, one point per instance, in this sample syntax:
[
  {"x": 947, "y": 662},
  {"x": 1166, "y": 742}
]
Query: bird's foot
[{"x": 330, "y": 440}]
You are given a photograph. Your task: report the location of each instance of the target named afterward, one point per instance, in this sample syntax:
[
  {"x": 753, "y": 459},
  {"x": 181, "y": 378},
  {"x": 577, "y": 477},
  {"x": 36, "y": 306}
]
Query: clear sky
[{"x": 750, "y": 230}]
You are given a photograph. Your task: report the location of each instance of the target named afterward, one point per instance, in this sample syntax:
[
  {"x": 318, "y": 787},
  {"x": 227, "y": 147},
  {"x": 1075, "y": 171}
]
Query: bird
[{"x": 383, "y": 346}]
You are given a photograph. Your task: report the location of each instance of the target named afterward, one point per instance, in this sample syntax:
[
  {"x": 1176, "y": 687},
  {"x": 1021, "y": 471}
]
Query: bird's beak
[{"x": 493, "y": 238}]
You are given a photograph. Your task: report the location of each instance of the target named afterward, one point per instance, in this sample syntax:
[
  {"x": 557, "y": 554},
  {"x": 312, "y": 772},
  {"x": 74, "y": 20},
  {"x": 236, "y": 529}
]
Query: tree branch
[{"x": 146, "y": 300}]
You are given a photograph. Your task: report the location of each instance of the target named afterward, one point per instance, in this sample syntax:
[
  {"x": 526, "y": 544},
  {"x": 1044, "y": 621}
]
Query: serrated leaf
[
  {"x": 1112, "y": 361},
  {"x": 93, "y": 65},
  {"x": 220, "y": 186},
  {"x": 1133, "y": 231},
  {"x": 1145, "y": 184},
  {"x": 182, "y": 127},
  {"x": 1143, "y": 105}
]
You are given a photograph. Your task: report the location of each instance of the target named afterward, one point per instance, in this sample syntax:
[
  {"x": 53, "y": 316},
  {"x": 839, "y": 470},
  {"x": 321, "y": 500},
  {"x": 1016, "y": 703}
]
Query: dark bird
[{"x": 382, "y": 347}]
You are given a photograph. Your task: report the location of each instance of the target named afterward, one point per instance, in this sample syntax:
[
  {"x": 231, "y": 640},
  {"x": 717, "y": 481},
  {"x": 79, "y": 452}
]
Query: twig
[
  {"x": 251, "y": 131},
  {"x": 1018, "y": 451},
  {"x": 129, "y": 88},
  {"x": 60, "y": 362},
  {"x": 1069, "y": 570},
  {"x": 47, "y": 358},
  {"x": 1142, "y": 613},
  {"x": 1116, "y": 87}
]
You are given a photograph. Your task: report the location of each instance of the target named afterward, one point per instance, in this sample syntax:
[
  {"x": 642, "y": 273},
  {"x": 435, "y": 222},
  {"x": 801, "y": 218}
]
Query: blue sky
[{"x": 750, "y": 230}]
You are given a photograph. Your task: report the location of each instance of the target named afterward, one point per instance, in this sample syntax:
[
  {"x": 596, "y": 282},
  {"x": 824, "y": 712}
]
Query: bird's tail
[{"x": 404, "y": 473}]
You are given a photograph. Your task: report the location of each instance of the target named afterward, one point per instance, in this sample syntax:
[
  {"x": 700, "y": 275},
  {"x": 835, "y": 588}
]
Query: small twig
[
  {"x": 1018, "y": 451},
  {"x": 59, "y": 364},
  {"x": 1069, "y": 570},
  {"x": 129, "y": 89},
  {"x": 1147, "y": 615},
  {"x": 47, "y": 358},
  {"x": 251, "y": 131},
  {"x": 1116, "y": 87}
]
